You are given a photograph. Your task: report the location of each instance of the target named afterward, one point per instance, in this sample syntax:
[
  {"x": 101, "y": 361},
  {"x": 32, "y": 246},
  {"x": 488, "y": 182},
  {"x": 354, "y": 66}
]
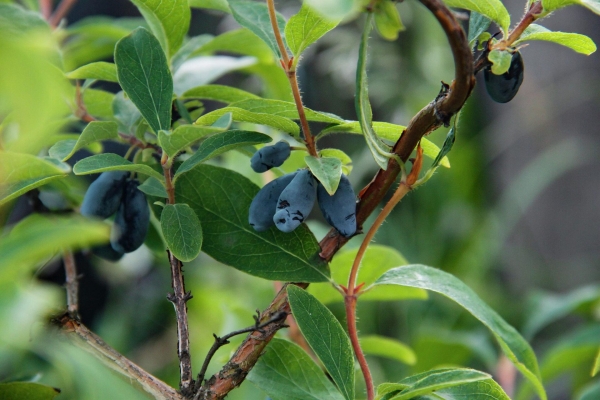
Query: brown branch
[
  {"x": 179, "y": 298},
  {"x": 71, "y": 283},
  {"x": 92, "y": 343},
  {"x": 427, "y": 120},
  {"x": 61, "y": 11}
]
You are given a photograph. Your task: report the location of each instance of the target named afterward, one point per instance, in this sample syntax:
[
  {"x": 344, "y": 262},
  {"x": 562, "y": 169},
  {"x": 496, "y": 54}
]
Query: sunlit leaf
[
  {"x": 387, "y": 20},
  {"x": 575, "y": 41},
  {"x": 327, "y": 170},
  {"x": 511, "y": 342},
  {"x": 112, "y": 162},
  {"x": 493, "y": 9},
  {"x": 95, "y": 131},
  {"x": 387, "y": 347},
  {"x": 334, "y": 9},
  {"x": 239, "y": 114},
  {"x": 219, "y": 5},
  {"x": 285, "y": 109},
  {"x": 326, "y": 337},
  {"x": 305, "y": 28},
  {"x": 100, "y": 70},
  {"x": 238, "y": 41},
  {"x": 552, "y": 5},
  {"x": 183, "y": 136},
  {"x": 500, "y": 60},
  {"x": 169, "y": 21},
  {"x": 224, "y": 94},
  {"x": 27, "y": 390},
  {"x": 286, "y": 372}
]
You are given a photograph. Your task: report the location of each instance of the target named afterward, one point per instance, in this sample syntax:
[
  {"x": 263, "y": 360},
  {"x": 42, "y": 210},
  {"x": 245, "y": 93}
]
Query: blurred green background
[{"x": 515, "y": 217}]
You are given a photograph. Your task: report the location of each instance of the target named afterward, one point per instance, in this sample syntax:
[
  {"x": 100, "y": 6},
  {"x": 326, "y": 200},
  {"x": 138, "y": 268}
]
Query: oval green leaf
[
  {"x": 183, "y": 136},
  {"x": 551, "y": 5},
  {"x": 112, "y": 162},
  {"x": 285, "y": 109},
  {"x": 326, "y": 337},
  {"x": 153, "y": 187},
  {"x": 144, "y": 75},
  {"x": 255, "y": 17},
  {"x": 285, "y": 371},
  {"x": 305, "y": 28},
  {"x": 511, "y": 342},
  {"x": 27, "y": 390},
  {"x": 169, "y": 21},
  {"x": 101, "y": 70},
  {"x": 239, "y": 114},
  {"x": 477, "y": 25},
  {"x": 182, "y": 231},
  {"x": 221, "y": 199},
  {"x": 387, "y": 20},
  {"x": 220, "y": 143},
  {"x": 224, "y": 94},
  {"x": 575, "y": 41},
  {"x": 95, "y": 131},
  {"x": 387, "y": 347},
  {"x": 327, "y": 170},
  {"x": 493, "y": 9}
]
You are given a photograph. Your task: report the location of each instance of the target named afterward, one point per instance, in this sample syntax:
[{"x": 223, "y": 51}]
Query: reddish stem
[
  {"x": 350, "y": 302},
  {"x": 61, "y": 11}
]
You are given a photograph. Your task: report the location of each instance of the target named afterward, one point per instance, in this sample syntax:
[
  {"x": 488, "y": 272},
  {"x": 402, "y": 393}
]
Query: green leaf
[
  {"x": 169, "y": 21},
  {"x": 15, "y": 20},
  {"x": 112, "y": 162},
  {"x": 221, "y": 199},
  {"x": 576, "y": 42},
  {"x": 596, "y": 367},
  {"x": 38, "y": 237},
  {"x": 377, "y": 260},
  {"x": 327, "y": 170},
  {"x": 387, "y": 20},
  {"x": 385, "y": 130},
  {"x": 326, "y": 337},
  {"x": 552, "y": 5},
  {"x": 220, "y": 143},
  {"x": 286, "y": 372},
  {"x": 511, "y": 342},
  {"x": 95, "y": 131},
  {"x": 241, "y": 115},
  {"x": 183, "y": 136},
  {"x": 590, "y": 392},
  {"x": 446, "y": 147},
  {"x": 182, "y": 231},
  {"x": 255, "y": 17},
  {"x": 493, "y": 9},
  {"x": 379, "y": 150},
  {"x": 239, "y": 41},
  {"x": 98, "y": 103},
  {"x": 20, "y": 173},
  {"x": 153, "y": 187},
  {"x": 334, "y": 9},
  {"x": 477, "y": 25},
  {"x": 125, "y": 112},
  {"x": 100, "y": 70},
  {"x": 433, "y": 381},
  {"x": 145, "y": 76},
  {"x": 285, "y": 109},
  {"x": 340, "y": 155},
  {"x": 305, "y": 28},
  {"x": 219, "y": 5},
  {"x": 27, "y": 390},
  {"x": 224, "y": 122},
  {"x": 224, "y": 94},
  {"x": 575, "y": 350},
  {"x": 188, "y": 49},
  {"x": 389, "y": 348},
  {"x": 544, "y": 308},
  {"x": 500, "y": 60}
]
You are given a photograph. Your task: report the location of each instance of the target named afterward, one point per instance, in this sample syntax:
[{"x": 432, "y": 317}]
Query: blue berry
[
  {"x": 264, "y": 204},
  {"x": 132, "y": 220},
  {"x": 296, "y": 201},
  {"x": 340, "y": 209},
  {"x": 502, "y": 88},
  {"x": 270, "y": 156},
  {"x": 104, "y": 195}
]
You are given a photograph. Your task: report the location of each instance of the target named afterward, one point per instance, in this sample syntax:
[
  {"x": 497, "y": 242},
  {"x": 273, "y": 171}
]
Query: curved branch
[{"x": 431, "y": 117}]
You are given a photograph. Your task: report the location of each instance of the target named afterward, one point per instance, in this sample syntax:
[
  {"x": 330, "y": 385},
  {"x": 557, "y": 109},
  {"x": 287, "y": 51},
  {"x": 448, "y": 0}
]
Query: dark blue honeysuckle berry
[
  {"x": 103, "y": 197},
  {"x": 264, "y": 204},
  {"x": 132, "y": 220},
  {"x": 502, "y": 88},
  {"x": 296, "y": 201},
  {"x": 270, "y": 156},
  {"x": 340, "y": 209}
]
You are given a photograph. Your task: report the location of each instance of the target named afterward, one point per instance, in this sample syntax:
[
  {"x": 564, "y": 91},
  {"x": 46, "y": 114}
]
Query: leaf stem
[
  {"x": 531, "y": 15},
  {"x": 179, "y": 298},
  {"x": 289, "y": 68}
]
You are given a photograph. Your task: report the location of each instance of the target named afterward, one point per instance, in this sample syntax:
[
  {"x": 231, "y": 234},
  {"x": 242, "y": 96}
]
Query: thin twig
[
  {"x": 61, "y": 11},
  {"x": 179, "y": 298},
  {"x": 92, "y": 343},
  {"x": 223, "y": 340},
  {"x": 46, "y": 8},
  {"x": 71, "y": 283},
  {"x": 289, "y": 67},
  {"x": 428, "y": 119}
]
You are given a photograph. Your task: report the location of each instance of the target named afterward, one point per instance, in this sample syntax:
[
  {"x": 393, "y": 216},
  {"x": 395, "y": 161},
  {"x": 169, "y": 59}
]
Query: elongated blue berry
[
  {"x": 132, "y": 219},
  {"x": 270, "y": 156},
  {"x": 502, "y": 88},
  {"x": 296, "y": 201},
  {"x": 104, "y": 195},
  {"x": 264, "y": 204},
  {"x": 340, "y": 209}
]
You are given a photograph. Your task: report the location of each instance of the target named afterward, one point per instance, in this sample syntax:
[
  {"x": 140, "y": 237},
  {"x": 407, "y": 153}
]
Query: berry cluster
[
  {"x": 286, "y": 201},
  {"x": 114, "y": 193}
]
